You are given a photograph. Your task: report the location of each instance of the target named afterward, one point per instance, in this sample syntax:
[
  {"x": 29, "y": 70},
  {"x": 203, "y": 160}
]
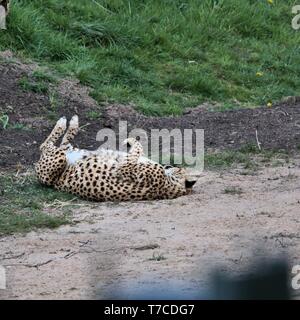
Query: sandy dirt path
[{"x": 114, "y": 249}]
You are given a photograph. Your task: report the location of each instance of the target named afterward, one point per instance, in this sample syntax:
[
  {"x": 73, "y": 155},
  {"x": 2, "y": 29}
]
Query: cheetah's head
[{"x": 180, "y": 177}]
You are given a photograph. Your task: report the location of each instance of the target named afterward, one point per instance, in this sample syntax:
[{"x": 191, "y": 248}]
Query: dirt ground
[{"x": 119, "y": 250}]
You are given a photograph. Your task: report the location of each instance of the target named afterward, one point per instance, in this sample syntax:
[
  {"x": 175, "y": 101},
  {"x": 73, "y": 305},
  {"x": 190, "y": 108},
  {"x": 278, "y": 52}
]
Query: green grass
[
  {"x": 164, "y": 56},
  {"x": 23, "y": 204},
  {"x": 157, "y": 257},
  {"x": 93, "y": 114},
  {"x": 19, "y": 126},
  {"x": 248, "y": 157},
  {"x": 37, "y": 87},
  {"x": 4, "y": 120},
  {"x": 38, "y": 81},
  {"x": 5, "y": 124},
  {"x": 233, "y": 191}
]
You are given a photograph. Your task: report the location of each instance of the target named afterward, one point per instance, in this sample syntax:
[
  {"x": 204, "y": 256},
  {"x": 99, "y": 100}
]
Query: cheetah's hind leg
[
  {"x": 71, "y": 131},
  {"x": 56, "y": 133},
  {"x": 52, "y": 160}
]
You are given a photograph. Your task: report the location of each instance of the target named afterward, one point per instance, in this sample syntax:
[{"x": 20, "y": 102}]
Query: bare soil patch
[{"x": 117, "y": 250}]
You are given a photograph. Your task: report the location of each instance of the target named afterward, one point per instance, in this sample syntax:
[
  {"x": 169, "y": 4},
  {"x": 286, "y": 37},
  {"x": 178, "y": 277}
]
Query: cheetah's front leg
[{"x": 136, "y": 150}]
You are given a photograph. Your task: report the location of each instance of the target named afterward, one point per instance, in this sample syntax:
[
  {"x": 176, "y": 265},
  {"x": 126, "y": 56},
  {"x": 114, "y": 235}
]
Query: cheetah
[{"x": 106, "y": 175}]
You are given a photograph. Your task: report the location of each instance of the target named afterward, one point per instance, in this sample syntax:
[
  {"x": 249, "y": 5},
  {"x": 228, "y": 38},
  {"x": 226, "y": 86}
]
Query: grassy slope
[{"x": 164, "y": 55}]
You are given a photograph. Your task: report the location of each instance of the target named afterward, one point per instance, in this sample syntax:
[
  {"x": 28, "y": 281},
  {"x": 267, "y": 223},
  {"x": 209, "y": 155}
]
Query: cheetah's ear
[{"x": 189, "y": 184}]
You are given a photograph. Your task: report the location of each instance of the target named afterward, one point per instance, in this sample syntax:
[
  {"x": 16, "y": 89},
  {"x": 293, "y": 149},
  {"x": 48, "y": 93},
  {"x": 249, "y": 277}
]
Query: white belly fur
[{"x": 75, "y": 155}]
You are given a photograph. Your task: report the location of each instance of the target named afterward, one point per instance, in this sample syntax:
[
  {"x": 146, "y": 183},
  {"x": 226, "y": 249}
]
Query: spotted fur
[{"x": 106, "y": 175}]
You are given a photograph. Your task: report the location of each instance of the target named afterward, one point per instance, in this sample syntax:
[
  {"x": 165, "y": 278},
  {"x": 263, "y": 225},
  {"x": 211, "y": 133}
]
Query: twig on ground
[
  {"x": 70, "y": 254},
  {"x": 58, "y": 204},
  {"x": 29, "y": 265},
  {"x": 85, "y": 125},
  {"x": 258, "y": 143},
  {"x": 146, "y": 247},
  {"x": 84, "y": 243},
  {"x": 14, "y": 257}
]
